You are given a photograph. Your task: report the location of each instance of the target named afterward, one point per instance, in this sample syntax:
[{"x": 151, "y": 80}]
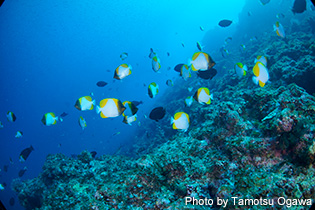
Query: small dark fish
[
  {"x": 178, "y": 67},
  {"x": 199, "y": 46},
  {"x": 63, "y": 114},
  {"x": 168, "y": 68},
  {"x": 264, "y": 2},
  {"x": 5, "y": 168},
  {"x": 299, "y": 6},
  {"x": 11, "y": 161},
  {"x": 12, "y": 201},
  {"x": 1, "y": 2},
  {"x": 93, "y": 153},
  {"x": 25, "y": 153},
  {"x": 157, "y": 113},
  {"x": 123, "y": 56},
  {"x": 225, "y": 23},
  {"x": 169, "y": 82},
  {"x": 101, "y": 84},
  {"x": 208, "y": 74},
  {"x": 22, "y": 171},
  {"x": 168, "y": 54},
  {"x": 137, "y": 103},
  {"x": 201, "y": 28},
  {"x": 108, "y": 70},
  {"x": 183, "y": 44},
  {"x": 117, "y": 133}
]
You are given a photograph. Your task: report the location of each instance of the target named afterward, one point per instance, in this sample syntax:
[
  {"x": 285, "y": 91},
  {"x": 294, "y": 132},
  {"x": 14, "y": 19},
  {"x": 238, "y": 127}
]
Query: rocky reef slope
[{"x": 250, "y": 142}]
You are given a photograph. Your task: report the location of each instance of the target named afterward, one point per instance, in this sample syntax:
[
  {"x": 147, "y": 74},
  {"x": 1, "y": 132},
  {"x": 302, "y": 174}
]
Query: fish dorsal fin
[
  {"x": 178, "y": 115},
  {"x": 195, "y": 56},
  {"x": 103, "y": 103}
]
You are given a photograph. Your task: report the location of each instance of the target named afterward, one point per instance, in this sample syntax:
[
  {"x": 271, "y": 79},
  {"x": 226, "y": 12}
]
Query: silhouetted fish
[
  {"x": 299, "y": 6},
  {"x": 101, "y": 84},
  {"x": 225, "y": 23},
  {"x": 63, "y": 114},
  {"x": 137, "y": 103},
  {"x": 22, "y": 171},
  {"x": 25, "y": 153},
  {"x": 178, "y": 67},
  {"x": 157, "y": 113},
  {"x": 208, "y": 74}
]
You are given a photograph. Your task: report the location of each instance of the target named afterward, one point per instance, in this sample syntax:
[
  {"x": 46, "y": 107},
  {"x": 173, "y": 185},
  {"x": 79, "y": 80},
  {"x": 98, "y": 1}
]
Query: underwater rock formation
[{"x": 250, "y": 142}]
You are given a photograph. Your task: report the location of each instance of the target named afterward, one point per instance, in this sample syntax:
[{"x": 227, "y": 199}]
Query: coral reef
[{"x": 250, "y": 142}]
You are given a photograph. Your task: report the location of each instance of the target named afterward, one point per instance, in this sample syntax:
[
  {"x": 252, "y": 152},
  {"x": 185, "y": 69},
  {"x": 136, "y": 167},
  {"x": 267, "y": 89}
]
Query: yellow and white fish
[
  {"x": 180, "y": 121},
  {"x": 240, "y": 69},
  {"x": 188, "y": 101},
  {"x": 130, "y": 110},
  {"x": 122, "y": 71},
  {"x": 110, "y": 107},
  {"x": 261, "y": 74},
  {"x": 82, "y": 122},
  {"x": 19, "y": 134},
  {"x": 203, "y": 96},
  {"x": 201, "y": 61},
  {"x": 153, "y": 89},
  {"x": 11, "y": 116},
  {"x": 50, "y": 119},
  {"x": 185, "y": 72},
  {"x": 156, "y": 64},
  {"x": 129, "y": 120},
  {"x": 262, "y": 59},
  {"x": 85, "y": 103},
  {"x": 279, "y": 29}
]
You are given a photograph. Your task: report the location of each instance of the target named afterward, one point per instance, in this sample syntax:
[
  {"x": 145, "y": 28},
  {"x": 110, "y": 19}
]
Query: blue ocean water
[{"x": 54, "y": 52}]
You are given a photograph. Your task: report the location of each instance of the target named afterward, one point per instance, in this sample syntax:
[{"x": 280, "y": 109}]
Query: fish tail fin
[
  {"x": 245, "y": 68},
  {"x": 93, "y": 102},
  {"x": 98, "y": 109},
  {"x": 211, "y": 96},
  {"x": 255, "y": 80},
  {"x": 60, "y": 119},
  {"x": 172, "y": 120}
]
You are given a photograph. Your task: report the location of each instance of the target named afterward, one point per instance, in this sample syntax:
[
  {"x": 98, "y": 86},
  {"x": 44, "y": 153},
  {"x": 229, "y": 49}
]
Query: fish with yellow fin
[
  {"x": 122, "y": 71},
  {"x": 82, "y": 123},
  {"x": 110, "y": 107},
  {"x": 84, "y": 103},
  {"x": 180, "y": 121},
  {"x": 261, "y": 74},
  {"x": 153, "y": 90},
  {"x": 156, "y": 64},
  {"x": 203, "y": 96},
  {"x": 201, "y": 61},
  {"x": 279, "y": 29},
  {"x": 240, "y": 69},
  {"x": 50, "y": 119},
  {"x": 130, "y": 110}
]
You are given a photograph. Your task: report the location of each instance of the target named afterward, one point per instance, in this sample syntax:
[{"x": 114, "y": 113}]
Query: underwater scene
[{"x": 157, "y": 104}]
